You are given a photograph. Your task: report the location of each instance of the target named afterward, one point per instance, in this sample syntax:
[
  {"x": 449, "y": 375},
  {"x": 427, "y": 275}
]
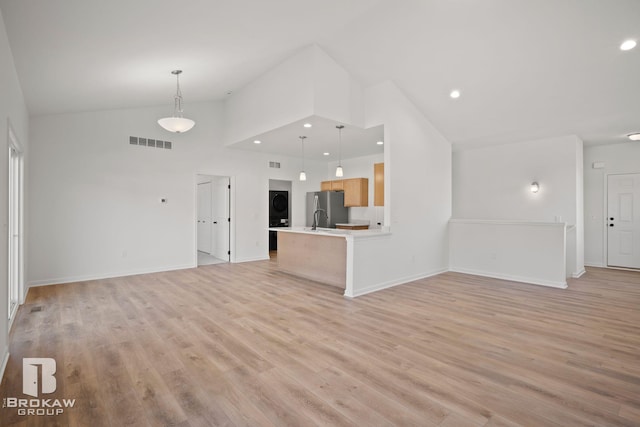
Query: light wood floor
[{"x": 241, "y": 344}]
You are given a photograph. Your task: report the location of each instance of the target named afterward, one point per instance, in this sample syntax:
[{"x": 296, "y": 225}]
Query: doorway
[
  {"x": 279, "y": 210},
  {"x": 15, "y": 228},
  {"x": 623, "y": 220},
  {"x": 213, "y": 219}
]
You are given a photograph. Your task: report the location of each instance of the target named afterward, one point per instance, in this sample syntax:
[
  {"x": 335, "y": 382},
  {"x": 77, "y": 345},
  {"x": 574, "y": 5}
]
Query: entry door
[
  {"x": 204, "y": 217},
  {"x": 221, "y": 218},
  {"x": 623, "y": 221}
]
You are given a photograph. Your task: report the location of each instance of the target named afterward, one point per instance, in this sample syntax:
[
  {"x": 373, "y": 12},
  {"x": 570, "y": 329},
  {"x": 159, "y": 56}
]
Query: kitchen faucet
[{"x": 316, "y": 218}]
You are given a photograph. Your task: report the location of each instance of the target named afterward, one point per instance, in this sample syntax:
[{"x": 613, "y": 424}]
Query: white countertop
[{"x": 333, "y": 232}]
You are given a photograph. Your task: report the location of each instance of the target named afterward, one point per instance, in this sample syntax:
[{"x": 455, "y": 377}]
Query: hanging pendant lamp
[
  {"x": 303, "y": 175},
  {"x": 177, "y": 123},
  {"x": 339, "y": 171}
]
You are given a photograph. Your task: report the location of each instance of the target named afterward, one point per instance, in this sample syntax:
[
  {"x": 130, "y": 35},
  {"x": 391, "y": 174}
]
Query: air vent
[
  {"x": 148, "y": 142},
  {"x": 275, "y": 165}
]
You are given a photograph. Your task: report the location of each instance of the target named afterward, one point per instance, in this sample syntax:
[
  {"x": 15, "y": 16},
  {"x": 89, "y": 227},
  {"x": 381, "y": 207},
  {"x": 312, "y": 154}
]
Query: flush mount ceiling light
[
  {"x": 455, "y": 94},
  {"x": 257, "y": 141},
  {"x": 628, "y": 45},
  {"x": 535, "y": 187},
  {"x": 634, "y": 136},
  {"x": 177, "y": 123},
  {"x": 339, "y": 171},
  {"x": 380, "y": 142},
  {"x": 307, "y": 125},
  {"x": 325, "y": 154},
  {"x": 303, "y": 175}
]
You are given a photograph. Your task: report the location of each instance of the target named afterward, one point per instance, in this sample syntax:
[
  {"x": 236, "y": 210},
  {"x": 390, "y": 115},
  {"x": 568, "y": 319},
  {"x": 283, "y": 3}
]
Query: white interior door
[
  {"x": 15, "y": 227},
  {"x": 623, "y": 220},
  {"x": 204, "y": 217},
  {"x": 221, "y": 216}
]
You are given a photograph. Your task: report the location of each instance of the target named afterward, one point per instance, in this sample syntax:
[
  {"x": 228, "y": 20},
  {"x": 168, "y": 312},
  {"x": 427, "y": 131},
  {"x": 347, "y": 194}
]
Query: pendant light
[
  {"x": 339, "y": 171},
  {"x": 177, "y": 123},
  {"x": 303, "y": 176}
]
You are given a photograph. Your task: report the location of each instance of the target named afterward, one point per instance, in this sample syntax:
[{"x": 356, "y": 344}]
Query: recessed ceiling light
[
  {"x": 380, "y": 142},
  {"x": 325, "y": 154},
  {"x": 257, "y": 141},
  {"x": 307, "y": 125},
  {"x": 634, "y": 136},
  {"x": 455, "y": 94},
  {"x": 628, "y": 45}
]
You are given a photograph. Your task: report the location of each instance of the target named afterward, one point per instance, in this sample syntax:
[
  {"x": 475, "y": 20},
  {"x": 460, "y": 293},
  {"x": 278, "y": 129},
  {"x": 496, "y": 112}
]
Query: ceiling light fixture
[
  {"x": 303, "y": 175},
  {"x": 339, "y": 171},
  {"x": 535, "y": 187},
  {"x": 257, "y": 141},
  {"x": 380, "y": 143},
  {"x": 634, "y": 136},
  {"x": 628, "y": 45},
  {"x": 307, "y": 125},
  {"x": 325, "y": 154},
  {"x": 455, "y": 94},
  {"x": 177, "y": 123}
]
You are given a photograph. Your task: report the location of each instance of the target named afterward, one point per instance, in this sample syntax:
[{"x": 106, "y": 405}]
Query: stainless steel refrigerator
[{"x": 332, "y": 202}]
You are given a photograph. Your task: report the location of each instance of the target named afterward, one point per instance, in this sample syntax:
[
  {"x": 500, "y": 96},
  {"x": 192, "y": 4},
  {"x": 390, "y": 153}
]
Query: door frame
[
  {"x": 14, "y": 143},
  {"x": 605, "y": 215},
  {"x": 232, "y": 210}
]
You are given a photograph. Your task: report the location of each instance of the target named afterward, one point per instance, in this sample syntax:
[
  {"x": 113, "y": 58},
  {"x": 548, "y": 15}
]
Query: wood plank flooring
[{"x": 246, "y": 345}]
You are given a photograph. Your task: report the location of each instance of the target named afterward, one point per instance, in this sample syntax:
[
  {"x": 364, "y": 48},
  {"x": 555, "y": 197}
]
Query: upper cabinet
[
  {"x": 356, "y": 192},
  {"x": 336, "y": 185},
  {"x": 378, "y": 184}
]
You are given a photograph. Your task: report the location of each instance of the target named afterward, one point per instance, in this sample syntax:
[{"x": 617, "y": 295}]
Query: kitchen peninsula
[{"x": 324, "y": 255}]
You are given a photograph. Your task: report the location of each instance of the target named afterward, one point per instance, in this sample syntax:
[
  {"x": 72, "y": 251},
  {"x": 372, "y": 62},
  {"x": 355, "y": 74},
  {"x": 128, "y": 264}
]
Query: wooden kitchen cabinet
[
  {"x": 356, "y": 192},
  {"x": 335, "y": 185},
  {"x": 378, "y": 184}
]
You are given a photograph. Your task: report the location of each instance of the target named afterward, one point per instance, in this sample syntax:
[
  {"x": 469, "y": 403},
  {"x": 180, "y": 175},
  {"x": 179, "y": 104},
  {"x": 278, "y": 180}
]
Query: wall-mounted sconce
[{"x": 535, "y": 187}]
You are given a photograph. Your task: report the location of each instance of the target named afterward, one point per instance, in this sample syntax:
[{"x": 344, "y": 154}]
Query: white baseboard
[
  {"x": 5, "y": 360},
  {"x": 594, "y": 264},
  {"x": 579, "y": 274},
  {"x": 530, "y": 280},
  {"x": 395, "y": 282},
  {"x": 73, "y": 279},
  {"x": 239, "y": 260}
]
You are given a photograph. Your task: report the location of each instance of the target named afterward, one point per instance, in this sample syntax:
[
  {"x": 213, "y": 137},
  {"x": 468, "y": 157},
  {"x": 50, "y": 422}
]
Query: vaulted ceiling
[{"x": 526, "y": 69}]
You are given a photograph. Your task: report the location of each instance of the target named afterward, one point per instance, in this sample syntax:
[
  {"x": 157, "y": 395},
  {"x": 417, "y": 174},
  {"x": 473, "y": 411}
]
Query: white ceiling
[
  {"x": 527, "y": 69},
  {"x": 322, "y": 137}
]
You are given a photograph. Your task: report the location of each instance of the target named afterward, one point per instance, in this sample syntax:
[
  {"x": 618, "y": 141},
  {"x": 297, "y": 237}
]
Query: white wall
[
  {"x": 309, "y": 83},
  {"x": 417, "y": 198},
  {"x": 531, "y": 252},
  {"x": 361, "y": 167},
  {"x": 494, "y": 183},
  {"x": 95, "y": 209},
  {"x": 12, "y": 110},
  {"x": 618, "y": 158}
]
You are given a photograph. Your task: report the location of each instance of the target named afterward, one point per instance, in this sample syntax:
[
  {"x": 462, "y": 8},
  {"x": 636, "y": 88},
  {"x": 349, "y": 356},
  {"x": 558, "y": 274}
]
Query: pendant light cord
[
  {"x": 302, "y": 138},
  {"x": 178, "y": 97},
  {"x": 340, "y": 144}
]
